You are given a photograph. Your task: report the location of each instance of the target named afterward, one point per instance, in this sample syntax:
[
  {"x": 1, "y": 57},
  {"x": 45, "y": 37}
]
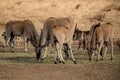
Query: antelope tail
[{"x": 92, "y": 29}]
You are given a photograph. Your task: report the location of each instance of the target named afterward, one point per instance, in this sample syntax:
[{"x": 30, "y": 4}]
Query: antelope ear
[
  {"x": 99, "y": 23},
  {"x": 54, "y": 26}
]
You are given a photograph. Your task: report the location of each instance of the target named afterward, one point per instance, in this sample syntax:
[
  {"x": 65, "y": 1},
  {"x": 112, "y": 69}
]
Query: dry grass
[
  {"x": 39, "y": 10},
  {"x": 20, "y": 57},
  {"x": 85, "y": 12},
  {"x": 23, "y": 66}
]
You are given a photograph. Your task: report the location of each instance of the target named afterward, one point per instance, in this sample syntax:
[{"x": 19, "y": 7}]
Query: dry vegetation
[
  {"x": 81, "y": 10},
  {"x": 23, "y": 66},
  {"x": 85, "y": 12}
]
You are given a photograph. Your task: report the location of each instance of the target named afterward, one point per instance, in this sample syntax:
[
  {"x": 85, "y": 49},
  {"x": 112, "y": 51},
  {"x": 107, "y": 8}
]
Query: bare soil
[{"x": 93, "y": 71}]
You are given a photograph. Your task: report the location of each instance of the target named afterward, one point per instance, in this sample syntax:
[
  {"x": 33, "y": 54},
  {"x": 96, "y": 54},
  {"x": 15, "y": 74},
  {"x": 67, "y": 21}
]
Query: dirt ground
[
  {"x": 94, "y": 71},
  {"x": 23, "y": 66}
]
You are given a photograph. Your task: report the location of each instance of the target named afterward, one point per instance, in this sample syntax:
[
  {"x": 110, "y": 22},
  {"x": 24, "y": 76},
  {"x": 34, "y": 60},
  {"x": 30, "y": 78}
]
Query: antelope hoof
[
  {"x": 55, "y": 62},
  {"x": 3, "y": 46},
  {"x": 90, "y": 59},
  {"x": 60, "y": 61},
  {"x": 63, "y": 62},
  {"x": 12, "y": 51},
  {"x": 26, "y": 51},
  {"x": 111, "y": 59},
  {"x": 75, "y": 62}
]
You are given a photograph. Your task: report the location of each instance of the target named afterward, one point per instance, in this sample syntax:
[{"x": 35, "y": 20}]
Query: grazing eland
[
  {"x": 101, "y": 35},
  {"x": 24, "y": 29},
  {"x": 47, "y": 33}
]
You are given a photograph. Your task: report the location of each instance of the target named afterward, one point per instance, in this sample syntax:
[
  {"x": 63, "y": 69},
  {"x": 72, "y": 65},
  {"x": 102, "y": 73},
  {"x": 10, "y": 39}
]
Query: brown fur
[
  {"x": 101, "y": 36},
  {"x": 46, "y": 33},
  {"x": 81, "y": 37},
  {"x": 24, "y": 29},
  {"x": 118, "y": 43},
  {"x": 61, "y": 36},
  {"x": 51, "y": 22}
]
